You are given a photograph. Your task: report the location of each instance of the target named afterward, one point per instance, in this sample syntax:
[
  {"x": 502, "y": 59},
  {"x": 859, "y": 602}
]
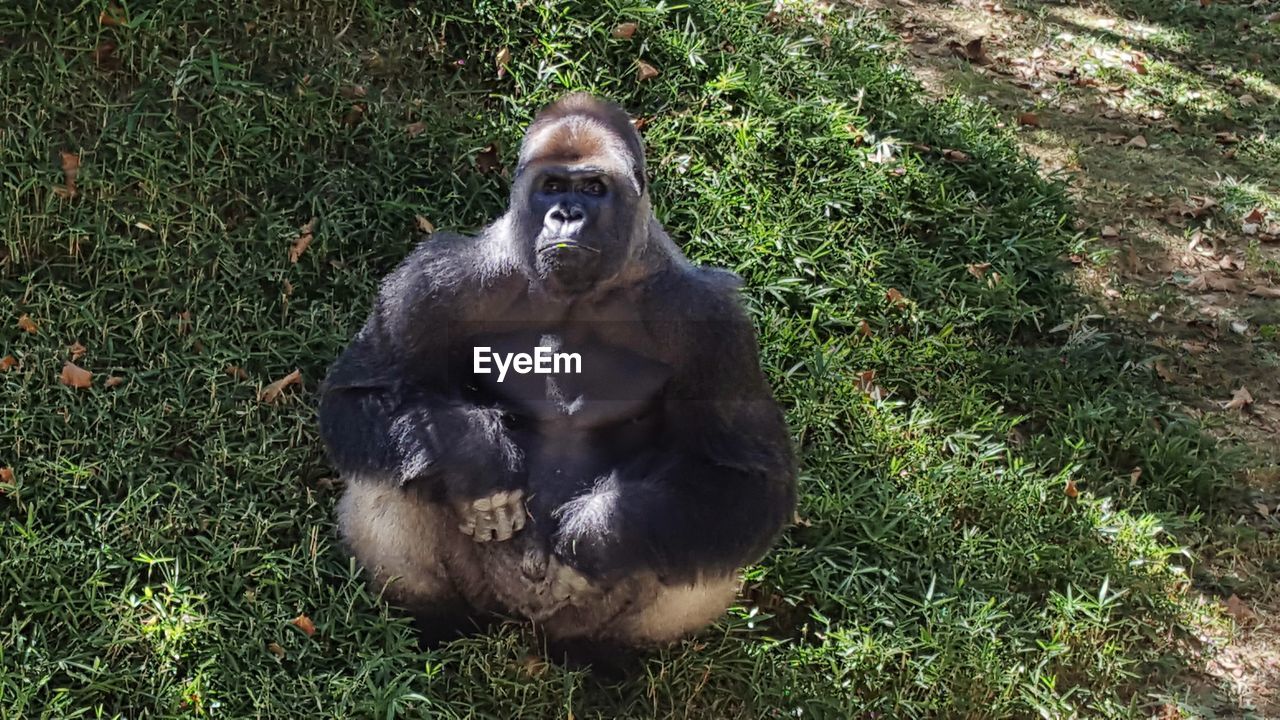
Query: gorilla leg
[
  {"x": 407, "y": 545},
  {"x": 674, "y": 612}
]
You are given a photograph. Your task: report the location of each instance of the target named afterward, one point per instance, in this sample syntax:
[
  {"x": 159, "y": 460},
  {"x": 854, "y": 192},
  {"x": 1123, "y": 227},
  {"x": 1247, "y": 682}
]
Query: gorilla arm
[
  {"x": 716, "y": 490},
  {"x": 387, "y": 409}
]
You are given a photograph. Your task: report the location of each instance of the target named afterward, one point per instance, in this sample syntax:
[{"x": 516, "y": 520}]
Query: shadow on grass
[{"x": 162, "y": 534}]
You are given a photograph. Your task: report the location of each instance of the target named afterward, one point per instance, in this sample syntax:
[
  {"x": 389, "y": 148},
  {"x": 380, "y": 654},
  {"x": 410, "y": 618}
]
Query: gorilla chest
[{"x": 559, "y": 384}]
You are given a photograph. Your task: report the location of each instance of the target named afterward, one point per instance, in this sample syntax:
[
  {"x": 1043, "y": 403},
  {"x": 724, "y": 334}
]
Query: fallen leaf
[
  {"x": 1135, "y": 475},
  {"x": 979, "y": 270},
  {"x": 113, "y": 16},
  {"x": 184, "y": 323},
  {"x": 275, "y": 649},
  {"x": 353, "y": 92},
  {"x": 236, "y": 372},
  {"x": 867, "y": 384},
  {"x": 624, "y": 31},
  {"x": 1251, "y": 222},
  {"x": 1137, "y": 141},
  {"x": 956, "y": 155},
  {"x": 7, "y": 363},
  {"x": 534, "y": 666},
  {"x": 76, "y": 376},
  {"x": 1164, "y": 372},
  {"x": 271, "y": 392},
  {"x": 1195, "y": 348},
  {"x": 70, "y": 170},
  {"x": 1262, "y": 509},
  {"x": 864, "y": 329},
  {"x": 354, "y": 115},
  {"x": 77, "y": 350},
  {"x": 1226, "y": 138},
  {"x": 1213, "y": 282},
  {"x": 113, "y": 381},
  {"x": 645, "y": 71},
  {"x": 286, "y": 288},
  {"x": 303, "y": 623},
  {"x": 423, "y": 224},
  {"x": 487, "y": 160},
  {"x": 26, "y": 324},
  {"x": 1240, "y": 612},
  {"x": 895, "y": 298},
  {"x": 1071, "y": 489},
  {"x": 303, "y": 240},
  {"x": 6, "y": 475},
  {"x": 1198, "y": 207},
  {"x": 971, "y": 51},
  {"x": 1229, "y": 262},
  {"x": 502, "y": 60},
  {"x": 1265, "y": 291},
  {"x": 1029, "y": 119},
  {"x": 1109, "y": 232},
  {"x": 104, "y": 54},
  {"x": 1240, "y": 399},
  {"x": 414, "y": 129},
  {"x": 1247, "y": 100}
]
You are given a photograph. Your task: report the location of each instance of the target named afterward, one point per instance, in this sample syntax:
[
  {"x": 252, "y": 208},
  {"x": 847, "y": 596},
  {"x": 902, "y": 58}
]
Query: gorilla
[{"x": 612, "y": 498}]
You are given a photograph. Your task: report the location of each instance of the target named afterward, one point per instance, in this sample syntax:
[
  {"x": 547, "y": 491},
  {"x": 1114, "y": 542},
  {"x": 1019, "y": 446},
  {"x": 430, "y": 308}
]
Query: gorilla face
[{"x": 583, "y": 221}]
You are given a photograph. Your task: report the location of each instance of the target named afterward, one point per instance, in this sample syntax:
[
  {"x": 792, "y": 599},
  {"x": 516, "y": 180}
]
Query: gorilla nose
[{"x": 566, "y": 216}]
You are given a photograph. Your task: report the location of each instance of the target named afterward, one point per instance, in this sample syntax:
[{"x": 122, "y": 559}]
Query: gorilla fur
[{"x": 614, "y": 505}]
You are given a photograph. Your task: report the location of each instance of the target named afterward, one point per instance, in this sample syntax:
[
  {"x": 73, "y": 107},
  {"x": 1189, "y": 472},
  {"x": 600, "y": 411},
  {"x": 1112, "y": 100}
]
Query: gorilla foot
[
  {"x": 496, "y": 517},
  {"x": 564, "y": 584}
]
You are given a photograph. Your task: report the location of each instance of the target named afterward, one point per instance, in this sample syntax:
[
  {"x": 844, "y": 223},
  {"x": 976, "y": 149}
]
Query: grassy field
[{"x": 996, "y": 496}]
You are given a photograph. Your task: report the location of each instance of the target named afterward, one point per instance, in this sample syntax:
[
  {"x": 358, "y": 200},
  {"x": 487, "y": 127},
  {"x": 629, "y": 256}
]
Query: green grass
[{"x": 160, "y": 535}]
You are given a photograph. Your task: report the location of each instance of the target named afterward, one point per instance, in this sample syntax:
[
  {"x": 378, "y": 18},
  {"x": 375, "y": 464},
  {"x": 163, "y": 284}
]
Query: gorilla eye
[
  {"x": 554, "y": 186},
  {"x": 594, "y": 187}
]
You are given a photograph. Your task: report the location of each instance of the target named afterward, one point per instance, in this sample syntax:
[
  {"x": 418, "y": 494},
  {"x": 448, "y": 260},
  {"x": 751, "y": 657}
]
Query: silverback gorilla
[{"x": 611, "y": 501}]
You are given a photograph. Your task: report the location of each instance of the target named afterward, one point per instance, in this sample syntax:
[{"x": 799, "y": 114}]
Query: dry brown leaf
[
  {"x": 867, "y": 384},
  {"x": 1135, "y": 475},
  {"x": 236, "y": 372},
  {"x": 959, "y": 156},
  {"x": 275, "y": 649},
  {"x": 7, "y": 363},
  {"x": 864, "y": 330},
  {"x": 1137, "y": 141},
  {"x": 1195, "y": 348},
  {"x": 353, "y": 92},
  {"x": 1226, "y": 138},
  {"x": 1109, "y": 232},
  {"x": 104, "y": 54},
  {"x": 1251, "y": 222},
  {"x": 1071, "y": 489},
  {"x": 502, "y": 60},
  {"x": 271, "y": 392},
  {"x": 1248, "y": 100},
  {"x": 1240, "y": 612},
  {"x": 424, "y": 225},
  {"x": 303, "y": 623},
  {"x": 1164, "y": 372},
  {"x": 354, "y": 115},
  {"x": 1265, "y": 291},
  {"x": 624, "y": 31},
  {"x": 414, "y": 129},
  {"x": 1200, "y": 205},
  {"x": 6, "y": 475},
  {"x": 645, "y": 71},
  {"x": 487, "y": 160},
  {"x": 895, "y": 298},
  {"x": 70, "y": 171},
  {"x": 303, "y": 240},
  {"x": 113, "y": 381},
  {"x": 1029, "y": 119},
  {"x": 1213, "y": 282},
  {"x": 971, "y": 51},
  {"x": 76, "y": 376},
  {"x": 979, "y": 270},
  {"x": 1229, "y": 262},
  {"x": 1240, "y": 399},
  {"x": 534, "y": 666},
  {"x": 77, "y": 350},
  {"x": 26, "y": 324},
  {"x": 113, "y": 16}
]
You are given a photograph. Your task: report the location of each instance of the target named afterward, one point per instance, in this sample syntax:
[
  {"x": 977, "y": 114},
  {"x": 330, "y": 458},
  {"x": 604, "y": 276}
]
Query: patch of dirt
[{"x": 1163, "y": 118}]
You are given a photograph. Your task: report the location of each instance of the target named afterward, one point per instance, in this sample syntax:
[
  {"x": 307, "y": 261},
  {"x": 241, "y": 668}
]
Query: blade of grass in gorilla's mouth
[{"x": 566, "y": 245}]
